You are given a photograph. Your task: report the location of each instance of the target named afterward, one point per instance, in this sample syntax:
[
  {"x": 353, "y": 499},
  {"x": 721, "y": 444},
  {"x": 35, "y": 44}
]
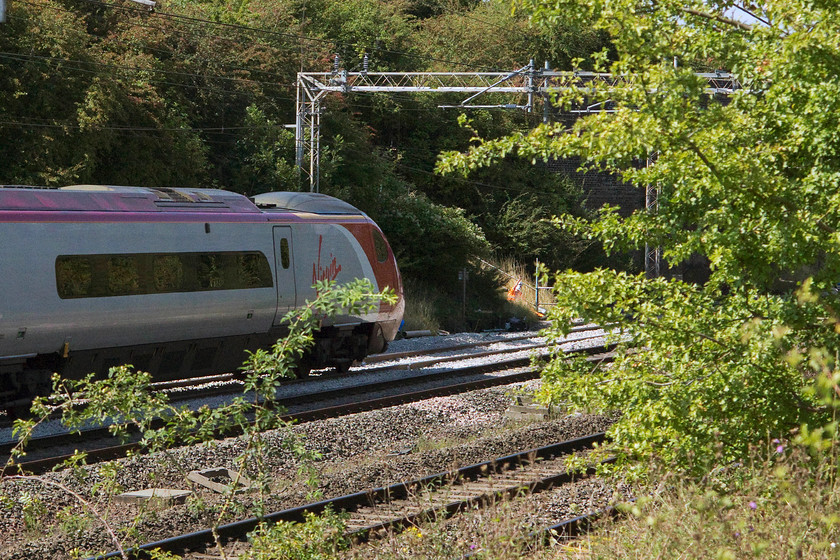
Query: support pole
[
  {"x": 652, "y": 254},
  {"x": 531, "y": 89},
  {"x": 546, "y": 96},
  {"x": 315, "y": 147},
  {"x": 308, "y": 130},
  {"x": 299, "y": 123}
]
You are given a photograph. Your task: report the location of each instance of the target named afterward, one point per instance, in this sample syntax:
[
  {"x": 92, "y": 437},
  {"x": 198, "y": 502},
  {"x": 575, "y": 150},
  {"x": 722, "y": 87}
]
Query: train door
[{"x": 285, "y": 270}]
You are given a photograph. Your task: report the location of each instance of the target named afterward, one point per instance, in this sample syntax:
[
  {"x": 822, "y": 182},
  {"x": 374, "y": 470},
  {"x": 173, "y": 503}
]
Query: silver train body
[{"x": 177, "y": 282}]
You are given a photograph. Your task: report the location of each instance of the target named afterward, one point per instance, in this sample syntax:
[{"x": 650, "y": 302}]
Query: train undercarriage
[{"x": 24, "y": 377}]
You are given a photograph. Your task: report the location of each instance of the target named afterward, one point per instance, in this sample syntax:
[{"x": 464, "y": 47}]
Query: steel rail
[
  {"x": 372, "y": 359},
  {"x": 192, "y": 386},
  {"x": 393, "y": 356},
  {"x": 51, "y": 441}
]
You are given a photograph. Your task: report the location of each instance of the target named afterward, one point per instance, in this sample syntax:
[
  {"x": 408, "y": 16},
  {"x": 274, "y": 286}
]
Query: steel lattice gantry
[
  {"x": 312, "y": 87},
  {"x": 529, "y": 81}
]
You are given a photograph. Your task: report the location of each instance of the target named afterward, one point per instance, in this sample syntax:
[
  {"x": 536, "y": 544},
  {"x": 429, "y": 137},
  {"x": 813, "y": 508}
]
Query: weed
[
  {"x": 72, "y": 522},
  {"x": 421, "y": 308},
  {"x": 431, "y": 443},
  {"x": 34, "y": 511},
  {"x": 776, "y": 506},
  {"x": 320, "y": 537}
]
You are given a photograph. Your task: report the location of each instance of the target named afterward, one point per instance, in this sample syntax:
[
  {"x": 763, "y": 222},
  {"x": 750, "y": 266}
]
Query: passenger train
[{"x": 177, "y": 282}]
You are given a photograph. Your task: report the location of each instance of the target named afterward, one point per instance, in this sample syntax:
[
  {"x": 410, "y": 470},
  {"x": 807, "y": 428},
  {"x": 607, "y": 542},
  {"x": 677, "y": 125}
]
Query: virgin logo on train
[{"x": 324, "y": 273}]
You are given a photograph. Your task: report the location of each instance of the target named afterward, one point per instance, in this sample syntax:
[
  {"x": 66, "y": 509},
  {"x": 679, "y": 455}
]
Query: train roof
[
  {"x": 112, "y": 198},
  {"x": 315, "y": 203}
]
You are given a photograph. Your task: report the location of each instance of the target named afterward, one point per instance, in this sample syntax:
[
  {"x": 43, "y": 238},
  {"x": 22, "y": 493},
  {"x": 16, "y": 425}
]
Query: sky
[{"x": 741, "y": 15}]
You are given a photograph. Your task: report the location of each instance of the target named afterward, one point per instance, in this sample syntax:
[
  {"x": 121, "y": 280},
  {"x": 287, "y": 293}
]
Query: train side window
[
  {"x": 254, "y": 271},
  {"x": 210, "y": 271},
  {"x": 168, "y": 271},
  {"x": 379, "y": 246},
  {"x": 123, "y": 276},
  {"x": 84, "y": 276},
  {"x": 284, "y": 253},
  {"x": 73, "y": 276}
]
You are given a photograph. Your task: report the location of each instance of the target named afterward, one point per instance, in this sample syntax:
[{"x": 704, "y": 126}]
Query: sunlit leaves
[{"x": 748, "y": 181}]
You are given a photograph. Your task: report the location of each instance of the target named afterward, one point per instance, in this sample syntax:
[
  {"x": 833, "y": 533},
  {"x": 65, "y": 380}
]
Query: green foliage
[
  {"x": 264, "y": 159},
  {"x": 773, "y": 506},
  {"x": 431, "y": 241},
  {"x": 124, "y": 399},
  {"x": 424, "y": 9},
  {"x": 748, "y": 182},
  {"x": 319, "y": 537},
  {"x": 381, "y": 29},
  {"x": 36, "y": 146},
  {"x": 34, "y": 510},
  {"x": 74, "y": 523},
  {"x": 521, "y": 224},
  {"x": 488, "y": 35},
  {"x": 714, "y": 377}
]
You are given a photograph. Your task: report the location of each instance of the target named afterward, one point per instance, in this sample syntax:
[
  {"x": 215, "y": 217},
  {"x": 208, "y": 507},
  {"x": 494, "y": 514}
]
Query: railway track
[
  {"x": 45, "y": 453},
  {"x": 197, "y": 389},
  {"x": 378, "y": 510},
  {"x": 185, "y": 390}
]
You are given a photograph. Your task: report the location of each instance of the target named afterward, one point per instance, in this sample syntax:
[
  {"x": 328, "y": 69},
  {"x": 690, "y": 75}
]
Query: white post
[{"x": 2, "y": 11}]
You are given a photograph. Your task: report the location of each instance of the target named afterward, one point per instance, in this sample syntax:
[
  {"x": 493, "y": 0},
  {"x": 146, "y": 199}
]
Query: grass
[
  {"x": 510, "y": 272},
  {"x": 427, "y": 443},
  {"x": 421, "y": 304},
  {"x": 782, "y": 505},
  {"x": 494, "y": 532},
  {"x": 430, "y": 307}
]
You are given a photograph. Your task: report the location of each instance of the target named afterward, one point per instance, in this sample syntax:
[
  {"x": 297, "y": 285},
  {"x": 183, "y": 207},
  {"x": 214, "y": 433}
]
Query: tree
[
  {"x": 380, "y": 29},
  {"x": 487, "y": 35},
  {"x": 749, "y": 181},
  {"x": 264, "y": 156},
  {"x": 36, "y": 104}
]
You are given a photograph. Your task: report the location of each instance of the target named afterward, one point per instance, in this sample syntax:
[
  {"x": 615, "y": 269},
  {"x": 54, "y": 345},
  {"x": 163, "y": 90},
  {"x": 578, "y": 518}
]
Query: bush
[{"x": 781, "y": 504}]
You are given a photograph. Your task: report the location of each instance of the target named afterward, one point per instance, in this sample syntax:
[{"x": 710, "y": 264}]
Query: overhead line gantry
[
  {"x": 529, "y": 81},
  {"x": 532, "y": 82}
]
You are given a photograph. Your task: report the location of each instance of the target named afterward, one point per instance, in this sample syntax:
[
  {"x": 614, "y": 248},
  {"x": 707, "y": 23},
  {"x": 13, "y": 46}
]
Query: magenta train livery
[{"x": 177, "y": 282}]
